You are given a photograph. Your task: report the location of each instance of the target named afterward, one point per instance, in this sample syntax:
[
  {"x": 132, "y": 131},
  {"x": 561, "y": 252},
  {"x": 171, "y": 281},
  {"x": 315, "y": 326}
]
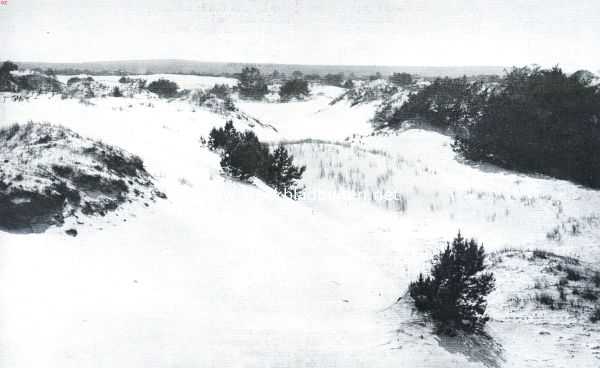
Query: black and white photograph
[{"x": 299, "y": 184}]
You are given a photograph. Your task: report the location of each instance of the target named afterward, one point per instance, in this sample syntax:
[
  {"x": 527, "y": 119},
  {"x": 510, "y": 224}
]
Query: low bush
[
  {"x": 295, "y": 88},
  {"x": 455, "y": 292},
  {"x": 163, "y": 88},
  {"x": 116, "y": 92},
  {"x": 244, "y": 156}
]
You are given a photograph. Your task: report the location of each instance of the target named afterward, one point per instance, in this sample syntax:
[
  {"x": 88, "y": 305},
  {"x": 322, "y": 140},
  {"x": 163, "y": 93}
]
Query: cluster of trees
[
  {"x": 532, "y": 120},
  {"x": 447, "y": 102},
  {"x": 252, "y": 84},
  {"x": 539, "y": 121},
  {"x": 295, "y": 88},
  {"x": 163, "y": 88},
  {"x": 74, "y": 80},
  {"x": 401, "y": 79},
  {"x": 455, "y": 292},
  {"x": 244, "y": 156}
]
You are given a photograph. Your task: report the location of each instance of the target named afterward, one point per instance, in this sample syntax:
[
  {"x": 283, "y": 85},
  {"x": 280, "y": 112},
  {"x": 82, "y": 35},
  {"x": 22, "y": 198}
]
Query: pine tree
[
  {"x": 455, "y": 293},
  {"x": 282, "y": 174},
  {"x": 252, "y": 84}
]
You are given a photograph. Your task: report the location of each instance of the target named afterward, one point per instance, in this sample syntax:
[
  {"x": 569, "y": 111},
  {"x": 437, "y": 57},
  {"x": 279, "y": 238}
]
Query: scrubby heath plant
[
  {"x": 244, "y": 156},
  {"x": 163, "y": 88},
  {"x": 252, "y": 84},
  {"x": 295, "y": 88},
  {"x": 454, "y": 294}
]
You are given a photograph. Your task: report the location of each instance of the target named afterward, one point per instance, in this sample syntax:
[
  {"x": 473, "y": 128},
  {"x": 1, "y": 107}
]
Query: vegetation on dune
[
  {"x": 244, "y": 156},
  {"x": 401, "y": 79},
  {"x": 455, "y": 292},
  {"x": 532, "y": 120},
  {"x": 295, "y": 88},
  {"x": 163, "y": 88},
  {"x": 252, "y": 84}
]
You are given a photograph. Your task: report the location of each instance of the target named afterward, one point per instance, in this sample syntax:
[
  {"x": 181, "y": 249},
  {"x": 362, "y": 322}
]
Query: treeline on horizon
[{"x": 224, "y": 69}]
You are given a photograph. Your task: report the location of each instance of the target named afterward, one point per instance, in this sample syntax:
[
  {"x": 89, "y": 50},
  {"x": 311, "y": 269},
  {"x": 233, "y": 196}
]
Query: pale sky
[{"x": 369, "y": 32}]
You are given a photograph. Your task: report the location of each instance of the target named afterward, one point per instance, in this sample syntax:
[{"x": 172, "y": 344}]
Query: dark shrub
[
  {"x": 73, "y": 80},
  {"x": 446, "y": 103},
  {"x": 334, "y": 79},
  {"x": 282, "y": 175},
  {"x": 573, "y": 274},
  {"x": 247, "y": 158},
  {"x": 595, "y": 317},
  {"x": 125, "y": 79},
  {"x": 116, "y": 92},
  {"x": 244, "y": 156},
  {"x": 6, "y": 80},
  {"x": 455, "y": 292},
  {"x": 401, "y": 79},
  {"x": 545, "y": 299},
  {"x": 295, "y": 88},
  {"x": 222, "y": 91},
  {"x": 539, "y": 121},
  {"x": 163, "y": 88},
  {"x": 252, "y": 84}
]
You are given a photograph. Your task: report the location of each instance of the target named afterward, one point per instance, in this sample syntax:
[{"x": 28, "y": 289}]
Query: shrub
[
  {"x": 540, "y": 121},
  {"x": 163, "y": 88},
  {"x": 244, "y": 156},
  {"x": 295, "y": 88},
  {"x": 116, "y": 92},
  {"x": 334, "y": 79},
  {"x": 401, "y": 79},
  {"x": 573, "y": 274},
  {"x": 455, "y": 292},
  {"x": 595, "y": 317},
  {"x": 282, "y": 175},
  {"x": 222, "y": 91},
  {"x": 252, "y": 84},
  {"x": 6, "y": 80},
  {"x": 446, "y": 103},
  {"x": 545, "y": 299},
  {"x": 73, "y": 80},
  {"x": 125, "y": 79}
]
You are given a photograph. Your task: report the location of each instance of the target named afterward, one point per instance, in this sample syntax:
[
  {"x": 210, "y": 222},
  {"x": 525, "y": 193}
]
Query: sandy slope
[{"x": 227, "y": 274}]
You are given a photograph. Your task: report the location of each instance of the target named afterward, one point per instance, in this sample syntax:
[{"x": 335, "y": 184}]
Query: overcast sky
[{"x": 382, "y": 32}]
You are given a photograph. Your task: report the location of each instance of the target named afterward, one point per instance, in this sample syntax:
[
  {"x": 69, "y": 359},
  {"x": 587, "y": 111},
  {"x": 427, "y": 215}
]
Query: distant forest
[{"x": 219, "y": 69}]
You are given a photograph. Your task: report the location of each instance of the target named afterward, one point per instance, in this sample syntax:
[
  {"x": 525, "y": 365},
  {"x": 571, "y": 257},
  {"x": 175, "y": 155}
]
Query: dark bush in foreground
[
  {"x": 295, "y": 88},
  {"x": 244, "y": 156},
  {"x": 540, "y": 121},
  {"x": 163, "y": 88},
  {"x": 455, "y": 292}
]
